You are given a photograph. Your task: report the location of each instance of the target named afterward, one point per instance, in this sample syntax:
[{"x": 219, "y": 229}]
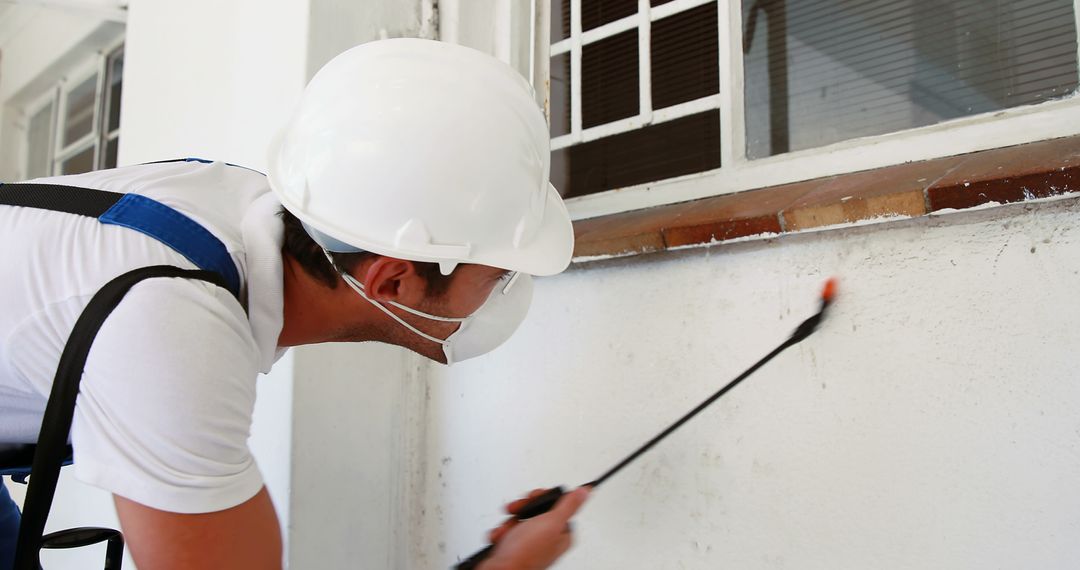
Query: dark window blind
[
  {"x": 822, "y": 71},
  {"x": 684, "y": 62}
]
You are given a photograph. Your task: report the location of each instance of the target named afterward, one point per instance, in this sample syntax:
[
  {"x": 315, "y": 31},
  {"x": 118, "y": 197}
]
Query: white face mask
[{"x": 479, "y": 333}]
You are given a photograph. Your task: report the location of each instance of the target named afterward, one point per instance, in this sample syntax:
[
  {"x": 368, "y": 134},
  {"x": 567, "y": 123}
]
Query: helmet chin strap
[{"x": 359, "y": 288}]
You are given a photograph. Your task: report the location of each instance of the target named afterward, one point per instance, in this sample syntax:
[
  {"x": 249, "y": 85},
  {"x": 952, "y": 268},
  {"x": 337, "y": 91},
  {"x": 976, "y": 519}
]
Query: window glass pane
[
  {"x": 114, "y": 88},
  {"x": 609, "y": 79},
  {"x": 110, "y": 153},
  {"x": 560, "y": 95},
  {"x": 81, "y": 162},
  {"x": 595, "y": 13},
  {"x": 822, "y": 71},
  {"x": 666, "y": 150},
  {"x": 38, "y": 142},
  {"x": 685, "y": 63},
  {"x": 78, "y": 120},
  {"x": 560, "y": 20}
]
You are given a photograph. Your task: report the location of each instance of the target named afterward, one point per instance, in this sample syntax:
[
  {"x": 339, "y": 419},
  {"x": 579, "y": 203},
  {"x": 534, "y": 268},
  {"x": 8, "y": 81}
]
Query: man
[{"x": 407, "y": 202}]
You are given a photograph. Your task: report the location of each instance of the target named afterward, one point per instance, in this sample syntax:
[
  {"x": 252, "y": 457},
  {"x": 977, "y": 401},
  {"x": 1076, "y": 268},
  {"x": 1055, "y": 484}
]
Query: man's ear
[{"x": 390, "y": 279}]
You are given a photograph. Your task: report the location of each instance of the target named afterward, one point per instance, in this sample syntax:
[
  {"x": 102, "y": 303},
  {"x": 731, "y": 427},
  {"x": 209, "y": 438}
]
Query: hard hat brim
[
  {"x": 552, "y": 249},
  {"x": 549, "y": 253}
]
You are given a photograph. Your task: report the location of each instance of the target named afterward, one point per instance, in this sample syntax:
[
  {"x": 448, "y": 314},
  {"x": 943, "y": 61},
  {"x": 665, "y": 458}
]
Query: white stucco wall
[
  {"x": 358, "y": 414},
  {"x": 210, "y": 79},
  {"x": 931, "y": 423}
]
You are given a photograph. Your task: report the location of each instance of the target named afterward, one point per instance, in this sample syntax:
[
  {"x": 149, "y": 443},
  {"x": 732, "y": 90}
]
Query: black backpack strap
[
  {"x": 82, "y": 201},
  {"x": 59, "y": 412}
]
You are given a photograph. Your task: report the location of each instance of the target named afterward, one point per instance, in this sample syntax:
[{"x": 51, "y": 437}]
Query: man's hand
[
  {"x": 245, "y": 537},
  {"x": 536, "y": 543}
]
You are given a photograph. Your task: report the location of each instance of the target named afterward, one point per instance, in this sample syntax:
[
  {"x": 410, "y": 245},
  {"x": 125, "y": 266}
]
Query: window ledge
[{"x": 1005, "y": 175}]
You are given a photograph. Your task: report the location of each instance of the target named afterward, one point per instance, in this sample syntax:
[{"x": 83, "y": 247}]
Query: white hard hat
[{"x": 427, "y": 151}]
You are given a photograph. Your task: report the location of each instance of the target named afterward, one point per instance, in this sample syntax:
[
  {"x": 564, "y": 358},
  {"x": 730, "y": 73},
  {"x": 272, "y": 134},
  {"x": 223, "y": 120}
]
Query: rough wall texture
[{"x": 932, "y": 422}]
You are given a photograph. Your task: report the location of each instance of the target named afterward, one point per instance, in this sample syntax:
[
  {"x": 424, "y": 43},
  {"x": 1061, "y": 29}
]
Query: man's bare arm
[{"x": 245, "y": 537}]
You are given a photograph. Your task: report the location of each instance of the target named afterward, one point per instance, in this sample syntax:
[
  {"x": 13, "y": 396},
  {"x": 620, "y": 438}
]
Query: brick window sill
[{"x": 1004, "y": 175}]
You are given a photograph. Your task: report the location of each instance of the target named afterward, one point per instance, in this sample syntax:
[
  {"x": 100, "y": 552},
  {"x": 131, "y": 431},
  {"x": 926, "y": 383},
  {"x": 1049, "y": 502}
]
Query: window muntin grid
[{"x": 1011, "y": 126}]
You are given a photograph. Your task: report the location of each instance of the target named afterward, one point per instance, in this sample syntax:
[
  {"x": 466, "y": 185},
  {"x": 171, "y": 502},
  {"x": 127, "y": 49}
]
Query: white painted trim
[
  {"x": 1076, "y": 17},
  {"x": 631, "y": 123},
  {"x": 1015, "y": 126},
  {"x": 105, "y": 98},
  {"x": 114, "y": 45},
  {"x": 541, "y": 57},
  {"x": 50, "y": 95},
  {"x": 560, "y": 47},
  {"x": 575, "y": 70},
  {"x": 503, "y": 19},
  {"x": 73, "y": 150},
  {"x": 610, "y": 29},
  {"x": 645, "y": 108},
  {"x": 730, "y": 60},
  {"x": 532, "y": 43},
  {"x": 672, "y": 8}
]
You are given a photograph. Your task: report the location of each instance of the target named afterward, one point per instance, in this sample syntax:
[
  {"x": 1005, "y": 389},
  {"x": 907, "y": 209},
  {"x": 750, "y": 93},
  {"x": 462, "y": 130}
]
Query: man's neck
[{"x": 312, "y": 311}]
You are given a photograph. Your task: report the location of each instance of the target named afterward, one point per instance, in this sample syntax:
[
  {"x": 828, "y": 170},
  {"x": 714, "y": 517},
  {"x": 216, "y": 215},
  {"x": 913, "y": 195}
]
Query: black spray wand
[{"x": 543, "y": 503}]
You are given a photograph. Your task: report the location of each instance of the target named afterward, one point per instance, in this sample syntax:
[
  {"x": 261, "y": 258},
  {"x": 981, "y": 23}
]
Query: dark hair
[{"x": 301, "y": 247}]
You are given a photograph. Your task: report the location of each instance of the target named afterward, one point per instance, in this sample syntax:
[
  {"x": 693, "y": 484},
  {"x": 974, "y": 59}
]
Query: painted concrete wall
[
  {"x": 208, "y": 78},
  {"x": 358, "y": 426},
  {"x": 358, "y": 415},
  {"x": 931, "y": 423}
]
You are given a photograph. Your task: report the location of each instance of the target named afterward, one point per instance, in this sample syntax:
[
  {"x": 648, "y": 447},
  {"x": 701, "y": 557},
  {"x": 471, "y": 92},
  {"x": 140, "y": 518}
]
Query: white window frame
[
  {"x": 997, "y": 129},
  {"x": 44, "y": 100},
  {"x": 98, "y": 138},
  {"x": 106, "y": 95},
  {"x": 91, "y": 139}
]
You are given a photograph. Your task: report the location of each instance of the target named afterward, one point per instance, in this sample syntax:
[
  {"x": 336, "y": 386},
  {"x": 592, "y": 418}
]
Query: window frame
[
  {"x": 68, "y": 84},
  {"x": 49, "y": 97},
  {"x": 98, "y": 63},
  {"x": 110, "y": 55},
  {"x": 997, "y": 129}
]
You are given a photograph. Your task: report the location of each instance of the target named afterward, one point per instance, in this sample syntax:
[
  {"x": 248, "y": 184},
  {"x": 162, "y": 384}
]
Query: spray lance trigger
[{"x": 536, "y": 506}]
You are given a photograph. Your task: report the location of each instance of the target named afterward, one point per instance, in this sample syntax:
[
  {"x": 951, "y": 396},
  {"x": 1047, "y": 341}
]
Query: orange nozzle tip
[{"x": 830, "y": 290}]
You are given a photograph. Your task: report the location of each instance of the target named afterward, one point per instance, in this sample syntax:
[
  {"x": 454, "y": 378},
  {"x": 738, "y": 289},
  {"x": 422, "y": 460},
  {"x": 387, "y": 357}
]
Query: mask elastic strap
[{"x": 359, "y": 288}]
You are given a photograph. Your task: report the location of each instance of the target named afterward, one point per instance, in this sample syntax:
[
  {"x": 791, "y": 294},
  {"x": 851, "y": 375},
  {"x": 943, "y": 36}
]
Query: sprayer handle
[{"x": 535, "y": 507}]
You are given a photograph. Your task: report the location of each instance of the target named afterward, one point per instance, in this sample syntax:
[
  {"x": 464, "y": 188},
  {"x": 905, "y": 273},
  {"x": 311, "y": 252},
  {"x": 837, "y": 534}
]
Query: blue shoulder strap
[{"x": 136, "y": 212}]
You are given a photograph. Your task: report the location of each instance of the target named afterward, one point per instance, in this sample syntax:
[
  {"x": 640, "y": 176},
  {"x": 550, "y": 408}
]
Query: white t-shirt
[{"x": 164, "y": 410}]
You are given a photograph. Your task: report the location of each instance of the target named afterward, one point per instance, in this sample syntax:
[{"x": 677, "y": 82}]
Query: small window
[{"x": 77, "y": 127}]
